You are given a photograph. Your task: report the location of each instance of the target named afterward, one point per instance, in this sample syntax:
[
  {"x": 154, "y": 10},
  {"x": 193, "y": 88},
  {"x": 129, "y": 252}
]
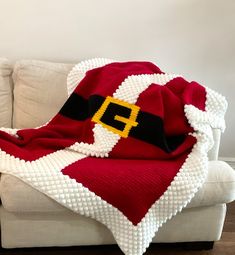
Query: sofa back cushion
[
  {"x": 5, "y": 93},
  {"x": 39, "y": 91}
]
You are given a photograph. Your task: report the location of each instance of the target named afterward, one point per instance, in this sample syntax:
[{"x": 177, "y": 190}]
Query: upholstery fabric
[
  {"x": 19, "y": 197},
  {"x": 39, "y": 91},
  {"x": 68, "y": 228},
  {"x": 214, "y": 151},
  {"x": 5, "y": 93},
  {"x": 219, "y": 187}
]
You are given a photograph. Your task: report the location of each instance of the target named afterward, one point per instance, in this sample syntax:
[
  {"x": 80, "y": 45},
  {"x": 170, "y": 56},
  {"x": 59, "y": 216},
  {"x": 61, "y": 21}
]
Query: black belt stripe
[{"x": 150, "y": 127}]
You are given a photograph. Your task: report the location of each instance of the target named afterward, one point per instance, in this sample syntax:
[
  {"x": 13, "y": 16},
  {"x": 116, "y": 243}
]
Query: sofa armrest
[{"x": 214, "y": 152}]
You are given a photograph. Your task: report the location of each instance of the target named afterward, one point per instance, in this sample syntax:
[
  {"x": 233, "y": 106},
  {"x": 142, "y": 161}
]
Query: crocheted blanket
[{"x": 128, "y": 148}]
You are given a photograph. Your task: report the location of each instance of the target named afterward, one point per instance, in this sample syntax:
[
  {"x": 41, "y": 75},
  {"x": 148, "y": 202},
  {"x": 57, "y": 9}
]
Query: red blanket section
[{"x": 136, "y": 173}]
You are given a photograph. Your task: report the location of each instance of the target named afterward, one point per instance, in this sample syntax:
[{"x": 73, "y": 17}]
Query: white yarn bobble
[
  {"x": 10, "y": 131},
  {"x": 78, "y": 71},
  {"x": 216, "y": 106}
]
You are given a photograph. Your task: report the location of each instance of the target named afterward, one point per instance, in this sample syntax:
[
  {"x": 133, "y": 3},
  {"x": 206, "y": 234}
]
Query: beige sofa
[{"x": 31, "y": 92}]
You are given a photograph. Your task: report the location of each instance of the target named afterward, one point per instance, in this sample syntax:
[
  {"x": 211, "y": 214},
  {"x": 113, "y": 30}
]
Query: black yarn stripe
[
  {"x": 79, "y": 108},
  {"x": 150, "y": 127}
]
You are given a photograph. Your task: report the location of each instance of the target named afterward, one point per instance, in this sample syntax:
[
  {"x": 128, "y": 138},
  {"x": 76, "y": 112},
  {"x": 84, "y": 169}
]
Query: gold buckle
[{"x": 129, "y": 122}]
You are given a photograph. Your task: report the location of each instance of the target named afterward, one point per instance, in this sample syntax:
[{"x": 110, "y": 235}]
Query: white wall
[{"x": 195, "y": 38}]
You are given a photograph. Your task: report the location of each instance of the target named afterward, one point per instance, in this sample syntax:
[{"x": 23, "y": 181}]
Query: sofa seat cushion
[
  {"x": 5, "y": 93},
  {"x": 18, "y": 196},
  {"x": 69, "y": 229}
]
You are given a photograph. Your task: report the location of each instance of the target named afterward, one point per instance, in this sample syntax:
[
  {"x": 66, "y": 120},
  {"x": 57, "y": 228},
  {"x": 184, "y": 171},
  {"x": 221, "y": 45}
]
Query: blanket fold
[{"x": 128, "y": 148}]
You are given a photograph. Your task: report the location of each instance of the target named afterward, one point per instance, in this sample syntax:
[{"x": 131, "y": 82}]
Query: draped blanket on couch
[{"x": 128, "y": 148}]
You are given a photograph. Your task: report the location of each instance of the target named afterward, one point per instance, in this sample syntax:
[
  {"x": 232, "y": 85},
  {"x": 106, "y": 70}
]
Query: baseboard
[{"x": 229, "y": 160}]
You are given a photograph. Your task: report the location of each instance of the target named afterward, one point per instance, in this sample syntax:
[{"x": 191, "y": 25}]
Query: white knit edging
[
  {"x": 10, "y": 131},
  {"x": 216, "y": 106},
  {"x": 13, "y": 131},
  {"x": 212, "y": 117},
  {"x": 78, "y": 72},
  {"x": 134, "y": 85}
]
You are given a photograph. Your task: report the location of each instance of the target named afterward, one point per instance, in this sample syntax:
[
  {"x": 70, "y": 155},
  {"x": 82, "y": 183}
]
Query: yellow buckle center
[{"x": 129, "y": 122}]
